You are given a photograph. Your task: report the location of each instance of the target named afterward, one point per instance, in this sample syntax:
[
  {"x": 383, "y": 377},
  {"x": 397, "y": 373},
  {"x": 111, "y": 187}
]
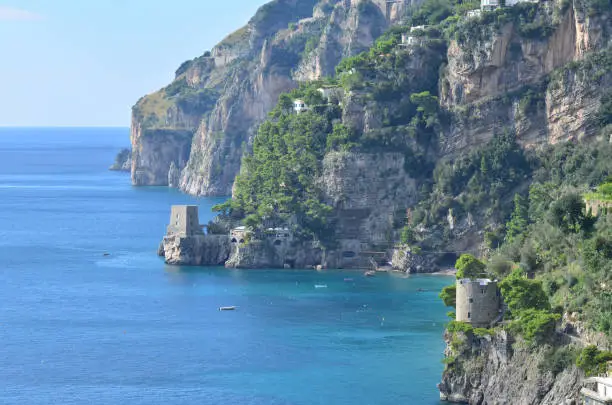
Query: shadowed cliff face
[
  {"x": 488, "y": 370},
  {"x": 218, "y": 99}
]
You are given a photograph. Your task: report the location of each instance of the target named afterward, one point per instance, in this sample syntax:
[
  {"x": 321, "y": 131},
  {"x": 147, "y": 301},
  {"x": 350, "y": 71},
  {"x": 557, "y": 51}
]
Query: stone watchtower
[
  {"x": 478, "y": 302},
  {"x": 184, "y": 221}
]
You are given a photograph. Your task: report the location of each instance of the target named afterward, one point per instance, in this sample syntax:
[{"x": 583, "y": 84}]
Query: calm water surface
[{"x": 77, "y": 327}]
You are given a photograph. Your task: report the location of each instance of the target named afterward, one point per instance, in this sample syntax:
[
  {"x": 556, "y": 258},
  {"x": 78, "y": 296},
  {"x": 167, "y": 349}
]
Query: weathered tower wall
[
  {"x": 478, "y": 302},
  {"x": 184, "y": 220}
]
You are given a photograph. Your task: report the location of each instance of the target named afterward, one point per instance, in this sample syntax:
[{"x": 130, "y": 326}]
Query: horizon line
[{"x": 64, "y": 126}]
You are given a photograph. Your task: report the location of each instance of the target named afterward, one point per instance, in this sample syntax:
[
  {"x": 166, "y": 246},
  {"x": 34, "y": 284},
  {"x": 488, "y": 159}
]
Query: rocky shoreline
[
  {"x": 279, "y": 248},
  {"x": 496, "y": 369}
]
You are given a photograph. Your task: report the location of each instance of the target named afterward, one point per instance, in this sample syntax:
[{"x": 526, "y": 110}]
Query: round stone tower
[{"x": 478, "y": 302}]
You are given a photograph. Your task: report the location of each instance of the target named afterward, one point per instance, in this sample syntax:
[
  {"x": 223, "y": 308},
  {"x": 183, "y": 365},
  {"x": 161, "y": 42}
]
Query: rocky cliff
[
  {"x": 497, "y": 370},
  {"x": 206, "y": 119},
  {"x": 537, "y": 78},
  {"x": 535, "y": 71},
  {"x": 195, "y": 250},
  {"x": 123, "y": 161}
]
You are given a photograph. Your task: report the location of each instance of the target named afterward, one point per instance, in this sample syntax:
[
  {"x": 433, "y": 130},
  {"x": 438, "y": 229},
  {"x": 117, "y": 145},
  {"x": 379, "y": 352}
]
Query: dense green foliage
[
  {"x": 469, "y": 267},
  {"x": 518, "y": 221},
  {"x": 536, "y": 326},
  {"x": 478, "y": 181},
  {"x": 455, "y": 326},
  {"x": 553, "y": 238},
  {"x": 593, "y": 361},
  {"x": 191, "y": 99},
  {"x": 278, "y": 179},
  {"x": 449, "y": 295},
  {"x": 521, "y": 293}
]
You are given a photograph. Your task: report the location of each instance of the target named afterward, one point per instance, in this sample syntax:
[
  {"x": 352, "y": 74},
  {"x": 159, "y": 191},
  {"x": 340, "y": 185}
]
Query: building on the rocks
[
  {"x": 411, "y": 39},
  {"x": 239, "y": 234},
  {"x": 184, "y": 221},
  {"x": 299, "y": 106},
  {"x": 489, "y": 5},
  {"x": 597, "y": 391},
  {"x": 474, "y": 13},
  {"x": 478, "y": 302},
  {"x": 279, "y": 235}
]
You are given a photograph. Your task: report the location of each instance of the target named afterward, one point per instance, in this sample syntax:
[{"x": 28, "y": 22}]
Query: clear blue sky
[{"x": 86, "y": 62}]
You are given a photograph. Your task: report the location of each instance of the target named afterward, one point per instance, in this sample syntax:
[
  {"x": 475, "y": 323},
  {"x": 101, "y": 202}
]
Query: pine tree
[{"x": 519, "y": 219}]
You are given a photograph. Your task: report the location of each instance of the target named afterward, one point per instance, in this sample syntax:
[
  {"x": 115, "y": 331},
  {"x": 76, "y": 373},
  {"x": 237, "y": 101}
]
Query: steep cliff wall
[
  {"x": 195, "y": 250},
  {"x": 221, "y": 97},
  {"x": 523, "y": 77},
  {"x": 496, "y": 370},
  {"x": 367, "y": 190}
]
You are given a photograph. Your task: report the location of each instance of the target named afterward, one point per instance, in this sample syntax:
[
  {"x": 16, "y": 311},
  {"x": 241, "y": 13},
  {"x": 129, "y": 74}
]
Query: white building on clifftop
[
  {"x": 597, "y": 391},
  {"x": 299, "y": 106}
]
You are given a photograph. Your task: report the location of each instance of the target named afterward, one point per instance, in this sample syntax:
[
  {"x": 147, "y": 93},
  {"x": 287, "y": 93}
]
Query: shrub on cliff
[
  {"x": 449, "y": 295},
  {"x": 593, "y": 361},
  {"x": 536, "y": 326},
  {"x": 469, "y": 267},
  {"x": 522, "y": 294}
]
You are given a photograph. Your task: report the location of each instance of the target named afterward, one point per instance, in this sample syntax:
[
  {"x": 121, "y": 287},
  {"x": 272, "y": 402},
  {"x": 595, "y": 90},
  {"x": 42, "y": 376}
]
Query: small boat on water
[
  {"x": 232, "y": 308},
  {"x": 348, "y": 280},
  {"x": 320, "y": 285},
  {"x": 370, "y": 273}
]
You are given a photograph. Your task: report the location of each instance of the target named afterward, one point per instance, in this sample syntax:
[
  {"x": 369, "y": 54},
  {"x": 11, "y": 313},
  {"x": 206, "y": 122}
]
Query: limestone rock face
[
  {"x": 154, "y": 150},
  {"x": 489, "y": 371},
  {"x": 348, "y": 30},
  {"x": 195, "y": 250},
  {"x": 366, "y": 190},
  {"x": 206, "y": 119},
  {"x": 123, "y": 161},
  {"x": 265, "y": 254},
  {"x": 173, "y": 176},
  {"x": 490, "y": 70},
  {"x": 403, "y": 259}
]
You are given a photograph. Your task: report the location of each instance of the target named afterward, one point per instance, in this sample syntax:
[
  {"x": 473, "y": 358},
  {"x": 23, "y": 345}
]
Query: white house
[
  {"x": 489, "y": 5},
  {"x": 597, "y": 391},
  {"x": 299, "y": 106},
  {"x": 474, "y": 13},
  {"x": 418, "y": 27}
]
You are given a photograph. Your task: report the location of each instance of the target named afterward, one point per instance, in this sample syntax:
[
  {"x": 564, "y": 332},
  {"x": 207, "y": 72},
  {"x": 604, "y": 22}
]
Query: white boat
[
  {"x": 320, "y": 285},
  {"x": 227, "y": 308}
]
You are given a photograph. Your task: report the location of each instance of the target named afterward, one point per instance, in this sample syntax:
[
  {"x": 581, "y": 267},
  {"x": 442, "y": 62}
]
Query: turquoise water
[{"x": 77, "y": 327}]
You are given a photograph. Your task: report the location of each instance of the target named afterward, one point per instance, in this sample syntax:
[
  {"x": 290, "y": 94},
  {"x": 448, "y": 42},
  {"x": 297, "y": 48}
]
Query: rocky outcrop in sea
[{"x": 123, "y": 161}]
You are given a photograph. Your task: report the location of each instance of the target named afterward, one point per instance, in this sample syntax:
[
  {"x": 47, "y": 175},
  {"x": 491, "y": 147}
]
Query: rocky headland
[
  {"x": 367, "y": 133},
  {"x": 123, "y": 161}
]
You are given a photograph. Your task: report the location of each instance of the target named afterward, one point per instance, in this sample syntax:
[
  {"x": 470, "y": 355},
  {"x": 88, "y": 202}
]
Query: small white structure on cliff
[
  {"x": 478, "y": 301},
  {"x": 299, "y": 106},
  {"x": 239, "y": 234},
  {"x": 489, "y": 5},
  {"x": 410, "y": 39},
  {"x": 597, "y": 391},
  {"x": 184, "y": 221},
  {"x": 474, "y": 13}
]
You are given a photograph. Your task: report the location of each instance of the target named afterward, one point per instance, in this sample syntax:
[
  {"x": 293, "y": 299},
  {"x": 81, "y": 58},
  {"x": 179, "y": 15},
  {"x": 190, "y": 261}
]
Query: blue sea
[{"x": 78, "y": 327}]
